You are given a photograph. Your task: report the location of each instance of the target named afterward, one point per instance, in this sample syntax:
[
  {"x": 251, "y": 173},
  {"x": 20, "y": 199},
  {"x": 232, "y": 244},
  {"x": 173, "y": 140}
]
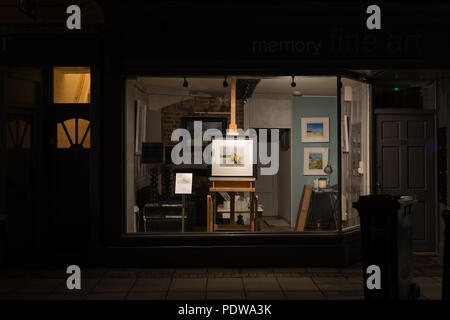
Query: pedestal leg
[
  {"x": 183, "y": 197},
  {"x": 208, "y": 213},
  {"x": 252, "y": 211},
  {"x": 214, "y": 212},
  {"x": 232, "y": 206}
]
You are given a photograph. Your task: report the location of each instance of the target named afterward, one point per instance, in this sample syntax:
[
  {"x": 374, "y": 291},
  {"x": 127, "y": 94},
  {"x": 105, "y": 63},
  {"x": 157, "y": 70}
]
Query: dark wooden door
[
  {"x": 23, "y": 102},
  {"x": 405, "y": 165},
  {"x": 22, "y": 219},
  {"x": 69, "y": 171}
]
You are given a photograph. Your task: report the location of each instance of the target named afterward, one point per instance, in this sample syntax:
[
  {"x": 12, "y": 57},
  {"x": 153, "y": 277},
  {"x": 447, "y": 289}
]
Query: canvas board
[{"x": 183, "y": 183}]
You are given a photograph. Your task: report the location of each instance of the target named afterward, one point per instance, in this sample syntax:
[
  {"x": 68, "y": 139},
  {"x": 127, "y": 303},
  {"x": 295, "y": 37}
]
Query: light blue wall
[{"x": 312, "y": 107}]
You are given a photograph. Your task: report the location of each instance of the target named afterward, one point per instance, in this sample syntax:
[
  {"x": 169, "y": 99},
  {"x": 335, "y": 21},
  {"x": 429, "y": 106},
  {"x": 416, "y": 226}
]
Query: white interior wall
[
  {"x": 284, "y": 185},
  {"x": 272, "y": 112},
  {"x": 133, "y": 93},
  {"x": 266, "y": 111}
]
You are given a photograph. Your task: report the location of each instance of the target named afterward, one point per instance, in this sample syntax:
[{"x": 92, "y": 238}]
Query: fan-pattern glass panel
[
  {"x": 74, "y": 132},
  {"x": 18, "y": 134}
]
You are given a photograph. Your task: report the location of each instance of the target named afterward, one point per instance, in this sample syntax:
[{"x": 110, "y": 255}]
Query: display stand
[
  {"x": 183, "y": 186},
  {"x": 232, "y": 186}
]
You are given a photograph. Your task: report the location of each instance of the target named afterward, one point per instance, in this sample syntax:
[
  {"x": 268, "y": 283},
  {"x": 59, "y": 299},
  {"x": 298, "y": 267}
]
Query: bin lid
[
  {"x": 409, "y": 198},
  {"x": 383, "y": 201}
]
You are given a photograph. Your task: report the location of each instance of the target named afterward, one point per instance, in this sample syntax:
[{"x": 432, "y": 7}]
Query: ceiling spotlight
[
  {"x": 293, "y": 84},
  {"x": 185, "y": 83},
  {"x": 225, "y": 83}
]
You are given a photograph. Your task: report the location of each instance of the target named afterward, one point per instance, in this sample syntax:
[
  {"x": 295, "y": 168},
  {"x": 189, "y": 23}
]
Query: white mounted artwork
[
  {"x": 315, "y": 130},
  {"x": 232, "y": 158},
  {"x": 183, "y": 183},
  {"x": 314, "y": 161}
]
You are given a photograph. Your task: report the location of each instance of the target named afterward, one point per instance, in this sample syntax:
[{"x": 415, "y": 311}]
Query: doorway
[{"x": 405, "y": 165}]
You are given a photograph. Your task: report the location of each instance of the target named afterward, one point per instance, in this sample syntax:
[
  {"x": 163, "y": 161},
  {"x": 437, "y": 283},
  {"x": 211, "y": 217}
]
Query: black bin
[{"x": 386, "y": 234}]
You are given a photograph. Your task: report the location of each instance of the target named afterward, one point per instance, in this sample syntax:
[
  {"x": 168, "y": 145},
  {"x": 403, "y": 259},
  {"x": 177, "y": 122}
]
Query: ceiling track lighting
[
  {"x": 185, "y": 83},
  {"x": 225, "y": 83},
  {"x": 293, "y": 84}
]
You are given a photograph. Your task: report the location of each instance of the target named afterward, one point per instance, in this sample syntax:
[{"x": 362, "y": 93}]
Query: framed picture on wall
[
  {"x": 314, "y": 161},
  {"x": 315, "y": 130},
  {"x": 206, "y": 123},
  {"x": 232, "y": 157}
]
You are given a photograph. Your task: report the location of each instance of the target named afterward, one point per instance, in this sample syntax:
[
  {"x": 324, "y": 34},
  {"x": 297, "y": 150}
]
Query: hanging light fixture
[
  {"x": 185, "y": 83},
  {"x": 225, "y": 83},
  {"x": 293, "y": 84}
]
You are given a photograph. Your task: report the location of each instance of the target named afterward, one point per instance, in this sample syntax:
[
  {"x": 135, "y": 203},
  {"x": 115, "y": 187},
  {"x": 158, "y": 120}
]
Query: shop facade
[{"x": 144, "y": 55}]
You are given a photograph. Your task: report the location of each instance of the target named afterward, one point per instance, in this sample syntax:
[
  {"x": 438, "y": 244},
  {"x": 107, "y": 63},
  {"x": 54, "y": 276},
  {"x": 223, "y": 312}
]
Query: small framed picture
[
  {"x": 183, "y": 183},
  {"x": 314, "y": 161},
  {"x": 232, "y": 157},
  {"x": 315, "y": 130}
]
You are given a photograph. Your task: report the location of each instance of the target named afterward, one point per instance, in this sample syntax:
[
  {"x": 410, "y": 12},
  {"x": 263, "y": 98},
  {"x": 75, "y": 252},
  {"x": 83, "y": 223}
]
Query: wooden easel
[{"x": 232, "y": 186}]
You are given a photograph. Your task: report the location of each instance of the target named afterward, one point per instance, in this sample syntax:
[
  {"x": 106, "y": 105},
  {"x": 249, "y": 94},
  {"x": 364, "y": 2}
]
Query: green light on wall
[{"x": 395, "y": 89}]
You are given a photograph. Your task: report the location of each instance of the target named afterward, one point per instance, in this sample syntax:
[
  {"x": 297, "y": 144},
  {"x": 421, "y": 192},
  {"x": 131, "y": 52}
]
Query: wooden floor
[{"x": 274, "y": 224}]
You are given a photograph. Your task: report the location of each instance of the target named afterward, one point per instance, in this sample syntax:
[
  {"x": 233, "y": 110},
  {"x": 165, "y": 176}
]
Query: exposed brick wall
[{"x": 172, "y": 116}]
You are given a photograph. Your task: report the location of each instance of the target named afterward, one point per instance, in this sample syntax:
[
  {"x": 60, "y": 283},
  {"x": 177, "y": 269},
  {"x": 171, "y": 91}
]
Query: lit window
[
  {"x": 74, "y": 132},
  {"x": 71, "y": 85}
]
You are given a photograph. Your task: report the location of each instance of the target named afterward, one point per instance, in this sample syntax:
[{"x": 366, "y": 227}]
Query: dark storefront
[{"x": 77, "y": 194}]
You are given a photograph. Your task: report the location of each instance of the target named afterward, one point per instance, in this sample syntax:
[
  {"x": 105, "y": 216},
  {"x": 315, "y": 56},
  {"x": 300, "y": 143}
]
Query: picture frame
[
  {"x": 183, "y": 183},
  {"x": 232, "y": 157},
  {"x": 315, "y": 129},
  {"x": 207, "y": 123},
  {"x": 140, "y": 125},
  {"x": 314, "y": 161}
]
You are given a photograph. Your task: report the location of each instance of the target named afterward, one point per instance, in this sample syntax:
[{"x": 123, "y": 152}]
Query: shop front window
[
  {"x": 355, "y": 155},
  {"x": 255, "y": 155}
]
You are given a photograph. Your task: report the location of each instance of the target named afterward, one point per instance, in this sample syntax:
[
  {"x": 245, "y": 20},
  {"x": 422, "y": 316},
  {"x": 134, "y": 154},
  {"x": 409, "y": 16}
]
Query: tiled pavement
[{"x": 205, "y": 283}]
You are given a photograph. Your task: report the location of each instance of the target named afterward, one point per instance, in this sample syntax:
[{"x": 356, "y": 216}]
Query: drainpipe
[{"x": 446, "y": 266}]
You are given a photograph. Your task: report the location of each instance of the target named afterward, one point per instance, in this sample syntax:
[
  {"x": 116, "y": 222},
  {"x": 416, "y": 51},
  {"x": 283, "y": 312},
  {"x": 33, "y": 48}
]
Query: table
[
  {"x": 317, "y": 217},
  {"x": 164, "y": 212},
  {"x": 231, "y": 185}
]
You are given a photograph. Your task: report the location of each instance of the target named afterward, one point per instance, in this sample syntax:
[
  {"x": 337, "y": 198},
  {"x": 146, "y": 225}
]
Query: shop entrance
[{"x": 405, "y": 164}]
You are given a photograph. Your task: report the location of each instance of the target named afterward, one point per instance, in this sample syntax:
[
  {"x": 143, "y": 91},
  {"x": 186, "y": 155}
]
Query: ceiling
[{"x": 213, "y": 86}]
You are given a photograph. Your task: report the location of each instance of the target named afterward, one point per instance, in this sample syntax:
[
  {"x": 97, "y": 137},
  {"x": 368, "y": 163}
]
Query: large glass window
[
  {"x": 355, "y": 153},
  {"x": 278, "y": 174}
]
